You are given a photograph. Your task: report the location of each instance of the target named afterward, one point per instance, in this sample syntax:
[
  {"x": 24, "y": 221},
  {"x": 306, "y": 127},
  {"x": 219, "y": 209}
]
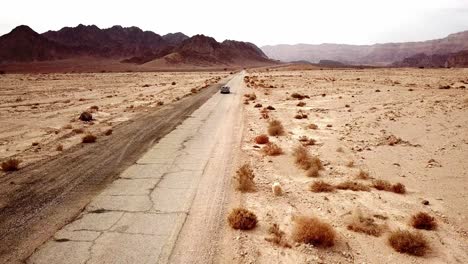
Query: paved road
[{"x": 168, "y": 207}]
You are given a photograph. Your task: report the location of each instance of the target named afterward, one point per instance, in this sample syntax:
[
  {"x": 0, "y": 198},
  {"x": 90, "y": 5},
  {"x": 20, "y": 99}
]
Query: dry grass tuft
[
  {"x": 412, "y": 243},
  {"x": 108, "y": 132},
  {"x": 321, "y": 186},
  {"x": 423, "y": 221},
  {"x": 244, "y": 177},
  {"x": 312, "y": 126},
  {"x": 275, "y": 128},
  {"x": 304, "y": 160},
  {"x": 384, "y": 185},
  {"x": 398, "y": 188},
  {"x": 11, "y": 164},
  {"x": 243, "y": 219},
  {"x": 271, "y": 149},
  {"x": 262, "y": 139},
  {"x": 313, "y": 231},
  {"x": 59, "y": 147},
  {"x": 353, "y": 186},
  {"x": 363, "y": 175},
  {"x": 86, "y": 116},
  {"x": 301, "y": 104},
  {"x": 277, "y": 236},
  {"x": 89, "y": 138},
  {"x": 313, "y": 172},
  {"x": 364, "y": 224}
]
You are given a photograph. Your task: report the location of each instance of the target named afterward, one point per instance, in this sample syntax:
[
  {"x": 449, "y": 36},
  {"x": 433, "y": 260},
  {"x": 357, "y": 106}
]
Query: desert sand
[
  {"x": 39, "y": 112},
  {"x": 401, "y": 125}
]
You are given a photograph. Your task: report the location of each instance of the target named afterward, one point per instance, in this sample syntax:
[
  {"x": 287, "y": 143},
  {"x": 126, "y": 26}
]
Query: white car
[{"x": 225, "y": 90}]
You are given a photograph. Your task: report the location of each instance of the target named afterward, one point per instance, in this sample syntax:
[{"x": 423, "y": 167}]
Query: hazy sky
[{"x": 260, "y": 22}]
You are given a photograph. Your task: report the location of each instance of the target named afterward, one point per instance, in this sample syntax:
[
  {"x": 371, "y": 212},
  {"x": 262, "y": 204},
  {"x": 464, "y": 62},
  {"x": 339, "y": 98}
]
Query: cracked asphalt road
[{"x": 168, "y": 206}]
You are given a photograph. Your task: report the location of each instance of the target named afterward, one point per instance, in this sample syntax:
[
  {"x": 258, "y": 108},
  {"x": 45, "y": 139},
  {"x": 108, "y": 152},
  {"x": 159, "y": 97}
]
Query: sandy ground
[
  {"x": 357, "y": 112},
  {"x": 167, "y": 207},
  {"x": 43, "y": 109}
]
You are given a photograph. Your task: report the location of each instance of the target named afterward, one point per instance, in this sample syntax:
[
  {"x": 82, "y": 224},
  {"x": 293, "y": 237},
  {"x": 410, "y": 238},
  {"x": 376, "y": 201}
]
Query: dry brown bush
[
  {"x": 68, "y": 126},
  {"x": 275, "y": 128},
  {"x": 277, "y": 236},
  {"x": 398, "y": 188},
  {"x": 313, "y": 171},
  {"x": 94, "y": 108},
  {"x": 363, "y": 175},
  {"x": 86, "y": 116},
  {"x": 108, "y": 132},
  {"x": 258, "y": 105},
  {"x": 244, "y": 177},
  {"x": 301, "y": 104},
  {"x": 262, "y": 139},
  {"x": 312, "y": 126},
  {"x": 382, "y": 185},
  {"x": 194, "y": 90},
  {"x": 11, "y": 164},
  {"x": 271, "y": 149},
  {"x": 297, "y": 96},
  {"x": 311, "y": 230},
  {"x": 321, "y": 186},
  {"x": 59, "y": 147},
  {"x": 423, "y": 221},
  {"x": 89, "y": 138},
  {"x": 350, "y": 164},
  {"x": 364, "y": 224},
  {"x": 173, "y": 83},
  {"x": 412, "y": 243},
  {"x": 243, "y": 219},
  {"x": 304, "y": 160},
  {"x": 353, "y": 186}
]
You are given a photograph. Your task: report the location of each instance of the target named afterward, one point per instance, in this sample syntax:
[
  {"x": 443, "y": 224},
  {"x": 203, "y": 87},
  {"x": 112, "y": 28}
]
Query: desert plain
[{"x": 393, "y": 127}]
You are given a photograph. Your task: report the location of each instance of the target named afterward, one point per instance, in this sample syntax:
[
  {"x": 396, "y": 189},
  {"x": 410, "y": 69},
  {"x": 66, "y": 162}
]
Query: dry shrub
[
  {"x": 297, "y": 96},
  {"x": 398, "y": 188},
  {"x": 301, "y": 104},
  {"x": 275, "y": 128},
  {"x": 108, "y": 132},
  {"x": 304, "y": 160},
  {"x": 363, "y": 175},
  {"x": 350, "y": 164},
  {"x": 160, "y": 103},
  {"x": 94, "y": 108},
  {"x": 321, "y": 186},
  {"x": 382, "y": 185},
  {"x": 353, "y": 186},
  {"x": 276, "y": 188},
  {"x": 412, "y": 243},
  {"x": 68, "y": 126},
  {"x": 298, "y": 116},
  {"x": 59, "y": 147},
  {"x": 277, "y": 236},
  {"x": 244, "y": 177},
  {"x": 258, "y": 105},
  {"x": 271, "y": 149},
  {"x": 313, "y": 171},
  {"x": 305, "y": 141},
  {"x": 251, "y": 96},
  {"x": 312, "y": 126},
  {"x": 364, "y": 224},
  {"x": 311, "y": 230},
  {"x": 173, "y": 83},
  {"x": 423, "y": 221},
  {"x": 11, "y": 164},
  {"x": 90, "y": 138},
  {"x": 270, "y": 108},
  {"x": 86, "y": 116},
  {"x": 194, "y": 90},
  {"x": 262, "y": 139},
  {"x": 243, "y": 219}
]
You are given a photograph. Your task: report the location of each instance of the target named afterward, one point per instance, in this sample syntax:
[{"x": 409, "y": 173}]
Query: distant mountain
[
  {"x": 378, "y": 54},
  {"x": 202, "y": 50},
  {"x": 130, "y": 45},
  {"x": 23, "y": 44},
  {"x": 116, "y": 41},
  {"x": 174, "y": 39},
  {"x": 457, "y": 59}
]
